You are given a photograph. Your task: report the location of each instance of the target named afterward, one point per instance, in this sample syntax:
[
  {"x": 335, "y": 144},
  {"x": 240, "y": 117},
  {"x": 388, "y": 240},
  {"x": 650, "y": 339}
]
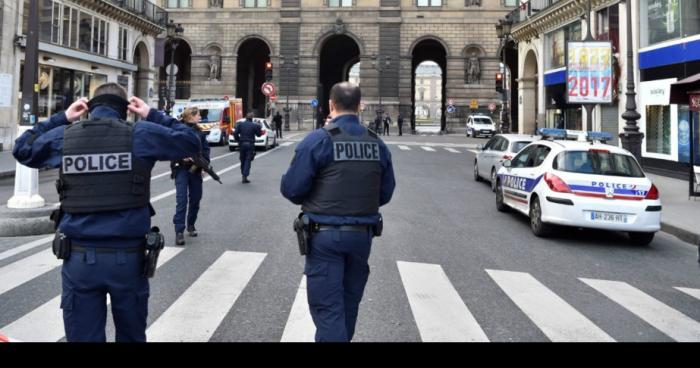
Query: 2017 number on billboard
[{"x": 589, "y": 72}]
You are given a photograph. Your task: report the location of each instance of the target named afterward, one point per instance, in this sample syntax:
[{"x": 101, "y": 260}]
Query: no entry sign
[{"x": 268, "y": 89}]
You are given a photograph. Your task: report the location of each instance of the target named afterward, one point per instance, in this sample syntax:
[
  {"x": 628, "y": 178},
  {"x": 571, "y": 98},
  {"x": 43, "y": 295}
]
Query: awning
[{"x": 681, "y": 89}]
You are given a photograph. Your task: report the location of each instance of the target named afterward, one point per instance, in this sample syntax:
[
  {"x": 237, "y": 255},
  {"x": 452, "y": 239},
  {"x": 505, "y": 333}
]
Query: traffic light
[
  {"x": 499, "y": 82},
  {"x": 268, "y": 71}
]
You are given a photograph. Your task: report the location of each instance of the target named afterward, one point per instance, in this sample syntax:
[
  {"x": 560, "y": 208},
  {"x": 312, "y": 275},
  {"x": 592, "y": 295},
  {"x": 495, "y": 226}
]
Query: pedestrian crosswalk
[
  {"x": 433, "y": 148},
  {"x": 441, "y": 306}
]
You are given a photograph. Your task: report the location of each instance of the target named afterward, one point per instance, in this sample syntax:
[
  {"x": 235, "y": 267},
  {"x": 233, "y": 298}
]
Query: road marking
[
  {"x": 558, "y": 320},
  {"x": 21, "y": 271},
  {"x": 404, "y": 148},
  {"x": 286, "y": 144},
  {"x": 692, "y": 292},
  {"x": 473, "y": 151},
  {"x": 429, "y": 149},
  {"x": 300, "y": 327},
  {"x": 673, "y": 323},
  {"x": 22, "y": 248},
  {"x": 45, "y": 323},
  {"x": 196, "y": 314},
  {"x": 451, "y": 150},
  {"x": 438, "y": 309}
]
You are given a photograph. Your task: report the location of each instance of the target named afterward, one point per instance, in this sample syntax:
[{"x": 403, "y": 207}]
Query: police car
[
  {"x": 266, "y": 140},
  {"x": 582, "y": 183}
]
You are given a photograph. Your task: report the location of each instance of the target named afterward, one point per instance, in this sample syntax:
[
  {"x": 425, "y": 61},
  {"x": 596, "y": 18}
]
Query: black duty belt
[
  {"x": 359, "y": 228},
  {"x": 77, "y": 248}
]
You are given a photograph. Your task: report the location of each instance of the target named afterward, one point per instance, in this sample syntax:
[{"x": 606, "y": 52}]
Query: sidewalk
[
  {"x": 679, "y": 215},
  {"x": 7, "y": 165}
]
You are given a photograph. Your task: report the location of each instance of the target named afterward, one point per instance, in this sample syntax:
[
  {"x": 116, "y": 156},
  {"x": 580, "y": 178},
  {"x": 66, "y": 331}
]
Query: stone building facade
[{"x": 314, "y": 43}]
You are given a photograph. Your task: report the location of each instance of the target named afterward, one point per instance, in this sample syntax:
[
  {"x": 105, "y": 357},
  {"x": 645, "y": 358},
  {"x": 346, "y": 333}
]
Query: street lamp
[
  {"x": 175, "y": 31},
  {"x": 380, "y": 63},
  {"x": 288, "y": 64},
  {"x": 503, "y": 30},
  {"x": 631, "y": 138}
]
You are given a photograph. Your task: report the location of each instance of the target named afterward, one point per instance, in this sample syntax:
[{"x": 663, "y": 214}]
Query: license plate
[{"x": 609, "y": 217}]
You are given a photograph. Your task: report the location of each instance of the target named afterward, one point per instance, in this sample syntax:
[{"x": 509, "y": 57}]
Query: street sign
[
  {"x": 492, "y": 107},
  {"x": 167, "y": 69},
  {"x": 451, "y": 109},
  {"x": 451, "y": 101},
  {"x": 314, "y": 102},
  {"x": 273, "y": 98},
  {"x": 474, "y": 104},
  {"x": 268, "y": 89}
]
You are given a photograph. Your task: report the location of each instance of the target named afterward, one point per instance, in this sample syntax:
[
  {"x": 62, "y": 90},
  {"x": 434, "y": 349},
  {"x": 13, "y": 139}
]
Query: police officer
[
  {"x": 245, "y": 134},
  {"x": 277, "y": 120},
  {"x": 399, "y": 122},
  {"x": 188, "y": 182},
  {"x": 104, "y": 185},
  {"x": 340, "y": 175}
]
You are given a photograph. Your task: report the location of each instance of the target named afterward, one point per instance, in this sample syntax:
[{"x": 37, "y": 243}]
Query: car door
[
  {"x": 518, "y": 177},
  {"x": 485, "y": 158}
]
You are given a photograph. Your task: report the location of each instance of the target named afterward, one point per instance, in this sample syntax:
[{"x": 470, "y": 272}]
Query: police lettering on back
[
  {"x": 355, "y": 151},
  {"x": 97, "y": 163}
]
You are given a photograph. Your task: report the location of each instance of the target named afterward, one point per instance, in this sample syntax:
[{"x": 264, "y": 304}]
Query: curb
[
  {"x": 682, "y": 234},
  {"x": 11, "y": 174}
]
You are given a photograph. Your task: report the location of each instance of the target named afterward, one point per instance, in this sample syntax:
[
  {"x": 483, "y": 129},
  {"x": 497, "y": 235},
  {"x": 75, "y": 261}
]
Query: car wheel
[
  {"x": 476, "y": 171},
  {"x": 231, "y": 148},
  {"x": 641, "y": 238},
  {"x": 539, "y": 228},
  {"x": 267, "y": 140},
  {"x": 222, "y": 140},
  {"x": 500, "y": 204},
  {"x": 493, "y": 179}
]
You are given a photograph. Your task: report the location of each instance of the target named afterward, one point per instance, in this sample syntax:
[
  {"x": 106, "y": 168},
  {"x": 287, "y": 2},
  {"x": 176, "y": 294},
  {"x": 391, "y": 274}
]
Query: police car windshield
[
  {"x": 517, "y": 146},
  {"x": 211, "y": 115},
  {"x": 598, "y": 163},
  {"x": 482, "y": 121}
]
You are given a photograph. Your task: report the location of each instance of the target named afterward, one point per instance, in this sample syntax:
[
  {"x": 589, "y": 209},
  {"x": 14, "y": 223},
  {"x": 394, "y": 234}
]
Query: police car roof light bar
[
  {"x": 552, "y": 133},
  {"x": 599, "y": 136}
]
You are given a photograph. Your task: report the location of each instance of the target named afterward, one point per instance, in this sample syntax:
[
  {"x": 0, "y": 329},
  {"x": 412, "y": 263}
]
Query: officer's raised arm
[
  {"x": 145, "y": 112},
  {"x": 42, "y": 145}
]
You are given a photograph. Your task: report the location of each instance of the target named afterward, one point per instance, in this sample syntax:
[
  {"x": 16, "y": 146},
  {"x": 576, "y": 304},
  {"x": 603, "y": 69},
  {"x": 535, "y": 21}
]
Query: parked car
[
  {"x": 499, "y": 148},
  {"x": 266, "y": 140},
  {"x": 480, "y": 125}
]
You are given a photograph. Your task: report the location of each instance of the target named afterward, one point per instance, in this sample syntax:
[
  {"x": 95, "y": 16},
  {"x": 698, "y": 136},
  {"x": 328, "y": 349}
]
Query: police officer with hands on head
[
  {"x": 104, "y": 223},
  {"x": 245, "y": 133},
  {"x": 188, "y": 181},
  {"x": 340, "y": 175}
]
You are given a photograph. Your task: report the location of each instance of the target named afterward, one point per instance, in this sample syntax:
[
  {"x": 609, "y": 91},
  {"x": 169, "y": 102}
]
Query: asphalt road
[{"x": 448, "y": 267}]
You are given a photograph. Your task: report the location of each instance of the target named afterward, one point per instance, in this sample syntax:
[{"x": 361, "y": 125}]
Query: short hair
[
  {"x": 110, "y": 89},
  {"x": 346, "y": 96},
  {"x": 250, "y": 116},
  {"x": 189, "y": 113}
]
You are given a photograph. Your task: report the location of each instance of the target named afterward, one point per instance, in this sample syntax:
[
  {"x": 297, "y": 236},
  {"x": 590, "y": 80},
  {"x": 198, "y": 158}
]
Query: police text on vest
[
  {"x": 356, "y": 151},
  {"x": 95, "y": 163}
]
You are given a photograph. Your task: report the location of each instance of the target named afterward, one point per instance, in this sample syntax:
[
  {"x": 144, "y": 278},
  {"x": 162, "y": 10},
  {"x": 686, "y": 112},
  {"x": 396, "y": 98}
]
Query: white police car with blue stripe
[{"x": 582, "y": 183}]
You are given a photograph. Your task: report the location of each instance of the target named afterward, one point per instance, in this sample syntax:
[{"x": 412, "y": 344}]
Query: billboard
[{"x": 589, "y": 78}]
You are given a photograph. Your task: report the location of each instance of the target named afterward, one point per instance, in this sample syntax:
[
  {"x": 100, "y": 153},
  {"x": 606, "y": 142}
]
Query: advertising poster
[{"x": 589, "y": 77}]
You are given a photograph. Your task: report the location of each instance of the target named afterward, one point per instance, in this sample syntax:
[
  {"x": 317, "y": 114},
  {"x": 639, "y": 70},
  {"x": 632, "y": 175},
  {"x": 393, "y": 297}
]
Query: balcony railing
[
  {"x": 143, "y": 8},
  {"x": 529, "y": 9}
]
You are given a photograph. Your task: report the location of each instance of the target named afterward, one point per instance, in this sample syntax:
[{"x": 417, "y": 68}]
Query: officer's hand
[
  {"x": 77, "y": 109},
  {"x": 138, "y": 107}
]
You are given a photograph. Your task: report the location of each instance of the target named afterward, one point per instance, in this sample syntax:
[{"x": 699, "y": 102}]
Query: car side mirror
[
  {"x": 507, "y": 164},
  {"x": 479, "y": 147}
]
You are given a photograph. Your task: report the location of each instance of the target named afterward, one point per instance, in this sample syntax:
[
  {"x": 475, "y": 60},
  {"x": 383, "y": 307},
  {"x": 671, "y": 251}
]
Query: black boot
[
  {"x": 191, "y": 230},
  {"x": 179, "y": 239},
  {"x": 245, "y": 180}
]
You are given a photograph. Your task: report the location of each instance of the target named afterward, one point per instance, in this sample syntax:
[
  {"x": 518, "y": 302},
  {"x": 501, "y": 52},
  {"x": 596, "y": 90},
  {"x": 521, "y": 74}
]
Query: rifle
[{"x": 200, "y": 162}]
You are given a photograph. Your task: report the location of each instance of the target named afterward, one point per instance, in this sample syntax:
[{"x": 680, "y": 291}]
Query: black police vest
[
  {"x": 350, "y": 184},
  {"x": 99, "y": 172}
]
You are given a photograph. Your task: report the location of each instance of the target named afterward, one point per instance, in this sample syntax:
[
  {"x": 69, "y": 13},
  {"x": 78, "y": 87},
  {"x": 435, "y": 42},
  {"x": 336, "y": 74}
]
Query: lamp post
[
  {"x": 174, "y": 32},
  {"x": 380, "y": 63},
  {"x": 288, "y": 64},
  {"x": 503, "y": 30},
  {"x": 631, "y": 138}
]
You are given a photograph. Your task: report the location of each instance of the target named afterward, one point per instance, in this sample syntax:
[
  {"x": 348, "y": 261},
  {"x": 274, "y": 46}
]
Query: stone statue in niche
[
  {"x": 473, "y": 70},
  {"x": 214, "y": 67},
  {"x": 339, "y": 26}
]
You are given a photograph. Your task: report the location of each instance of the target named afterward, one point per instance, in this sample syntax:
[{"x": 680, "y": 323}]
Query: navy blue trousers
[
  {"x": 246, "y": 155},
  {"x": 87, "y": 279},
  {"x": 188, "y": 188},
  {"x": 336, "y": 274}
]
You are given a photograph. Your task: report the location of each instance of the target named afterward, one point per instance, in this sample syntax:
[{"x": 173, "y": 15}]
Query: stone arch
[
  {"x": 142, "y": 77},
  {"x": 481, "y": 52},
  {"x": 245, "y": 38},
  {"x": 429, "y": 37},
  {"x": 213, "y": 45},
  {"x": 528, "y": 91},
  {"x": 324, "y": 36}
]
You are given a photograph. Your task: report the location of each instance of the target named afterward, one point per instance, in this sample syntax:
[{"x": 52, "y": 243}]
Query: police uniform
[
  {"x": 188, "y": 186},
  {"x": 245, "y": 134},
  {"x": 104, "y": 186},
  {"x": 340, "y": 175}
]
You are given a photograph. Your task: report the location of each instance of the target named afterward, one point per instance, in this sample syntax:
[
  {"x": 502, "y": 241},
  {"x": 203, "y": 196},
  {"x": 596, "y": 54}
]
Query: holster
[
  {"x": 56, "y": 217},
  {"x": 61, "y": 246},
  {"x": 155, "y": 242},
  {"x": 378, "y": 228},
  {"x": 302, "y": 226}
]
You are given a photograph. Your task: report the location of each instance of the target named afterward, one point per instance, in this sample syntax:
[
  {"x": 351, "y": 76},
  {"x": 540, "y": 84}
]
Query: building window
[
  {"x": 658, "y": 133},
  {"x": 509, "y": 2},
  {"x": 123, "y": 47},
  {"x": 608, "y": 26},
  {"x": 555, "y": 44},
  {"x": 429, "y": 2},
  {"x": 84, "y": 31},
  {"x": 664, "y": 20},
  {"x": 340, "y": 3},
  {"x": 177, "y": 3},
  {"x": 56, "y": 23},
  {"x": 99, "y": 36},
  {"x": 255, "y": 3}
]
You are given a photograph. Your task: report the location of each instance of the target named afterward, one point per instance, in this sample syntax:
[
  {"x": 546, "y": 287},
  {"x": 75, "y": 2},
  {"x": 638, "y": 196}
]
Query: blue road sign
[
  {"x": 314, "y": 102},
  {"x": 451, "y": 109}
]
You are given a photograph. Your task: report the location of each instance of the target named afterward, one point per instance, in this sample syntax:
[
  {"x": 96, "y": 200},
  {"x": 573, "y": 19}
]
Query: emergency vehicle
[
  {"x": 217, "y": 115},
  {"x": 583, "y": 183}
]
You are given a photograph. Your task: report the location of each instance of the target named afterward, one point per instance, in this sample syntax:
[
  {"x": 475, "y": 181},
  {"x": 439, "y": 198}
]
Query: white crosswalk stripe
[
  {"x": 558, "y": 320},
  {"x": 196, "y": 314},
  {"x": 673, "y": 323},
  {"x": 692, "y": 292},
  {"x": 451, "y": 150},
  {"x": 17, "y": 273},
  {"x": 404, "y": 148},
  {"x": 22, "y": 248},
  {"x": 437, "y": 308},
  {"x": 429, "y": 149},
  {"x": 50, "y": 317},
  {"x": 300, "y": 327}
]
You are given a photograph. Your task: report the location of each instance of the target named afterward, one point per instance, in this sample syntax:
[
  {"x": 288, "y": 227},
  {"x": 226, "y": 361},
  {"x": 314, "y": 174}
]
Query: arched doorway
[
  {"x": 430, "y": 50},
  {"x": 338, "y": 55},
  {"x": 253, "y": 54},
  {"x": 183, "y": 72},
  {"x": 511, "y": 71},
  {"x": 528, "y": 91},
  {"x": 428, "y": 93},
  {"x": 141, "y": 77}
]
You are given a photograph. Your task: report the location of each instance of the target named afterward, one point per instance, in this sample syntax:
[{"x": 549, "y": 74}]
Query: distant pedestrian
[
  {"x": 377, "y": 124},
  {"x": 387, "y": 123},
  {"x": 399, "y": 122},
  {"x": 245, "y": 134},
  {"x": 277, "y": 119}
]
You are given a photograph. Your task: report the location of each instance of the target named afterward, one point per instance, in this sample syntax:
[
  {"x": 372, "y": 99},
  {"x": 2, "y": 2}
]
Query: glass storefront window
[
  {"x": 684, "y": 134},
  {"x": 555, "y": 44},
  {"x": 658, "y": 129},
  {"x": 664, "y": 20}
]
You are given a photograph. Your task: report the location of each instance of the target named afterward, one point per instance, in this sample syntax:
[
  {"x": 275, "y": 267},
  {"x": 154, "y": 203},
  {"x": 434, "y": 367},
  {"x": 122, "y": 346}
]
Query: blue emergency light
[
  {"x": 552, "y": 133},
  {"x": 599, "y": 136}
]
